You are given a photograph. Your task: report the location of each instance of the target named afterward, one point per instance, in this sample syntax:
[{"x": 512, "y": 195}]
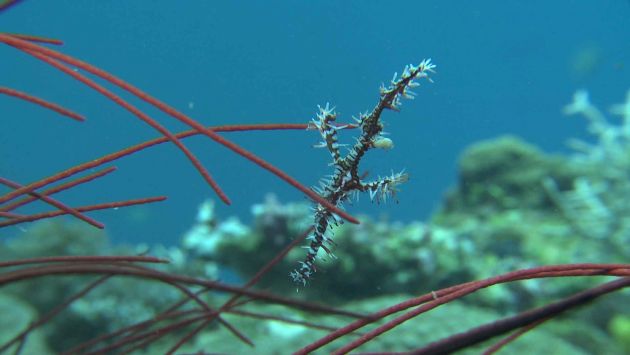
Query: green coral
[
  {"x": 504, "y": 173},
  {"x": 17, "y": 315},
  {"x": 619, "y": 328}
]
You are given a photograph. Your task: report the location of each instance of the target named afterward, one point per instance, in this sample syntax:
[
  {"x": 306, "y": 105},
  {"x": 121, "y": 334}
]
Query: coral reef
[
  {"x": 596, "y": 205},
  {"x": 17, "y": 315},
  {"x": 478, "y": 259},
  {"x": 502, "y": 215}
]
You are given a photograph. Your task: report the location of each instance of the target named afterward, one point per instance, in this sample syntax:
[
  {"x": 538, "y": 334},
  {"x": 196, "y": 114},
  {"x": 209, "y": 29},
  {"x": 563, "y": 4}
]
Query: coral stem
[
  {"x": 53, "y": 202},
  {"x": 31, "y": 47},
  {"x": 46, "y": 104}
]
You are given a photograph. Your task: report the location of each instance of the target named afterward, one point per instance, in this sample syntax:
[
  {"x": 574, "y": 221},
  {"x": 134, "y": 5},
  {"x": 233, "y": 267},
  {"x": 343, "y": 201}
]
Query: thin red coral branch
[
  {"x": 141, "y": 115},
  {"x": 132, "y": 329},
  {"x": 101, "y": 206},
  {"x": 231, "y": 302},
  {"x": 31, "y": 47},
  {"x": 22, "y": 336},
  {"x": 4, "y": 214},
  {"x": 59, "y": 188},
  {"x": 435, "y": 299},
  {"x": 41, "y": 102},
  {"x": 525, "y": 320},
  {"x": 146, "y": 337},
  {"x": 541, "y": 272},
  {"x": 133, "y": 149},
  {"x": 496, "y": 347},
  {"x": 193, "y": 296},
  {"x": 153, "y": 335},
  {"x": 115, "y": 262},
  {"x": 51, "y": 201},
  {"x": 84, "y": 259},
  {"x": 138, "y": 147},
  {"x": 206, "y": 318},
  {"x": 36, "y": 39},
  {"x": 125, "y": 269},
  {"x": 6, "y": 4},
  {"x": 303, "y": 323}
]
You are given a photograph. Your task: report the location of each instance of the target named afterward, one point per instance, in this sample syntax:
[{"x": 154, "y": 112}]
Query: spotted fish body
[{"x": 345, "y": 181}]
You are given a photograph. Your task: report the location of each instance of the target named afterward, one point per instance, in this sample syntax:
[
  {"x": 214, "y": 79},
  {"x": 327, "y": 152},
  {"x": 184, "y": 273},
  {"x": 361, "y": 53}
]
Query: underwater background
[
  {"x": 504, "y": 175},
  {"x": 502, "y": 67}
]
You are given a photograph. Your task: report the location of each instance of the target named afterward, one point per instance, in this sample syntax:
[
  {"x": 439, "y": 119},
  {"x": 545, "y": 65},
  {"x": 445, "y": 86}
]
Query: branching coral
[{"x": 597, "y": 205}]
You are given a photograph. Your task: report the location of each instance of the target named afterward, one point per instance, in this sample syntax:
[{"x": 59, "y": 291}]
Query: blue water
[{"x": 503, "y": 67}]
